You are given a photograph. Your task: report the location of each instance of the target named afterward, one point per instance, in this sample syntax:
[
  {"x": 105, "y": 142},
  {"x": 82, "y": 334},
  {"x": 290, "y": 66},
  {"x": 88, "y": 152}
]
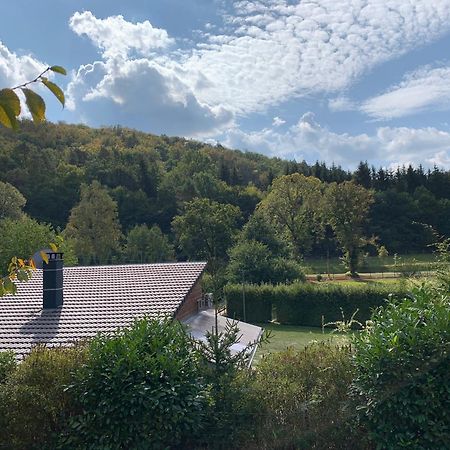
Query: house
[{"x": 61, "y": 305}]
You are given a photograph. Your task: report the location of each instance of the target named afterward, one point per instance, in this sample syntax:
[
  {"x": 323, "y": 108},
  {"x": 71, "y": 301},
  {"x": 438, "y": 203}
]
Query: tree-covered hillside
[{"x": 157, "y": 180}]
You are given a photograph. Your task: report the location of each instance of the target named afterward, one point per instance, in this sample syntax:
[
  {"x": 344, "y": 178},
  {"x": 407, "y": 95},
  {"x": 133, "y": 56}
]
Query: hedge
[{"x": 306, "y": 304}]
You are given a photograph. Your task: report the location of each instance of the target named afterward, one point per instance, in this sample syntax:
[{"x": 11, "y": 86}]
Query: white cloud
[
  {"x": 134, "y": 86},
  {"x": 310, "y": 141},
  {"x": 278, "y": 121},
  {"x": 142, "y": 94},
  {"x": 342, "y": 104},
  {"x": 276, "y": 50},
  {"x": 15, "y": 69},
  {"x": 424, "y": 89},
  {"x": 117, "y": 37},
  {"x": 266, "y": 53}
]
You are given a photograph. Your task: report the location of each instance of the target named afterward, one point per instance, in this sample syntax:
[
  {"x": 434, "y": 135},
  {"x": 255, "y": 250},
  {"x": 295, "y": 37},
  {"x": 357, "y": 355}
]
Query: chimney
[{"x": 53, "y": 280}]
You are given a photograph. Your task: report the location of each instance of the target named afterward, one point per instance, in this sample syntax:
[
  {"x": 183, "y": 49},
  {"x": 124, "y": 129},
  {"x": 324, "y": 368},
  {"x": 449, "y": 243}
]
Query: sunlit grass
[{"x": 284, "y": 336}]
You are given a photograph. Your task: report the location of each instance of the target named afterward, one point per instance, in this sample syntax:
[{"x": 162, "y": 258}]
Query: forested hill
[{"x": 152, "y": 177}]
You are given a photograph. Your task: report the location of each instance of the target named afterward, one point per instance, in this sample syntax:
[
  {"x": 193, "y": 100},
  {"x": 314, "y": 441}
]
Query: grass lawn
[
  {"x": 284, "y": 336},
  {"x": 418, "y": 262}
]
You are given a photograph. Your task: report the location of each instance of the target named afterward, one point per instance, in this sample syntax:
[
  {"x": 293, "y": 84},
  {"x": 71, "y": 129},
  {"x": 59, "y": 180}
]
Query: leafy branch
[
  {"x": 10, "y": 107},
  {"x": 22, "y": 270}
]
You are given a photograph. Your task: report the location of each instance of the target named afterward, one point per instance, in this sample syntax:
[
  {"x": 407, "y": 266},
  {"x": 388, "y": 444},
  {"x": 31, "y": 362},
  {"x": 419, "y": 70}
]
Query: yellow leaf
[
  {"x": 44, "y": 257},
  {"x": 53, "y": 247},
  {"x": 55, "y": 89},
  {"x": 35, "y": 104}
]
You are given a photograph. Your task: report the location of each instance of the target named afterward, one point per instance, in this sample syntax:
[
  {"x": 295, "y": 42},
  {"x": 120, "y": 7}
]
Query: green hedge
[
  {"x": 305, "y": 303},
  {"x": 258, "y": 302}
]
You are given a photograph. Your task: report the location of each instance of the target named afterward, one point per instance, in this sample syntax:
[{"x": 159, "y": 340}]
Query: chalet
[{"x": 61, "y": 305}]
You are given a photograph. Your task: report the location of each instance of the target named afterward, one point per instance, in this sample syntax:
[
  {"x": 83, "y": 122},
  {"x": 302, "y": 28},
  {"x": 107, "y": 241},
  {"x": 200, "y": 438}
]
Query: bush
[
  {"x": 301, "y": 398},
  {"x": 139, "y": 388},
  {"x": 306, "y": 304},
  {"x": 33, "y": 405},
  {"x": 402, "y": 377},
  {"x": 7, "y": 365}
]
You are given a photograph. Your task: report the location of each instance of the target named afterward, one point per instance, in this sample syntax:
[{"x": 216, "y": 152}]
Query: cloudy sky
[{"x": 328, "y": 80}]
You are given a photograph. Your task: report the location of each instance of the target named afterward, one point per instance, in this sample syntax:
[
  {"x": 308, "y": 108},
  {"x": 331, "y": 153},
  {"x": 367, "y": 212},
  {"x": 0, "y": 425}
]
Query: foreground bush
[
  {"x": 402, "y": 372},
  {"x": 301, "y": 399},
  {"x": 7, "y": 365},
  {"x": 34, "y": 407},
  {"x": 138, "y": 389}
]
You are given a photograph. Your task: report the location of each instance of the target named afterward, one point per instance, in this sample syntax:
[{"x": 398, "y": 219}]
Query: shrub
[
  {"x": 139, "y": 388},
  {"x": 301, "y": 398},
  {"x": 402, "y": 378},
  {"x": 305, "y": 303},
  {"x": 7, "y": 365},
  {"x": 33, "y": 405}
]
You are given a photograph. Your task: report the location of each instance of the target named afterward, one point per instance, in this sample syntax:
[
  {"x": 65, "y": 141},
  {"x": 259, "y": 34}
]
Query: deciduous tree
[
  {"x": 346, "y": 208},
  {"x": 94, "y": 225},
  {"x": 293, "y": 206},
  {"x": 206, "y": 229},
  {"x": 148, "y": 245},
  {"x": 11, "y": 201}
]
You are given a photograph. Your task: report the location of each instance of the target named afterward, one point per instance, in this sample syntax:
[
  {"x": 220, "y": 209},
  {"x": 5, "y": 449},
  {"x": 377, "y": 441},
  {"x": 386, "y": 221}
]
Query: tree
[
  {"x": 253, "y": 262},
  {"x": 258, "y": 228},
  {"x": 11, "y": 202},
  {"x": 22, "y": 238},
  {"x": 206, "y": 229},
  {"x": 346, "y": 208},
  {"x": 94, "y": 226},
  {"x": 148, "y": 245},
  {"x": 292, "y": 206}
]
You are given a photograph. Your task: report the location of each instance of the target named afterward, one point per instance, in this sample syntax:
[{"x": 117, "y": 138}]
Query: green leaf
[
  {"x": 55, "y": 89},
  {"x": 35, "y": 104},
  {"x": 59, "y": 69},
  {"x": 9, "y": 108}
]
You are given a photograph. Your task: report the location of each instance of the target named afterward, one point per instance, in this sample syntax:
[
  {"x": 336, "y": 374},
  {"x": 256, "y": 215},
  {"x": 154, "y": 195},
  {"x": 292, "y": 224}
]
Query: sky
[{"x": 338, "y": 81}]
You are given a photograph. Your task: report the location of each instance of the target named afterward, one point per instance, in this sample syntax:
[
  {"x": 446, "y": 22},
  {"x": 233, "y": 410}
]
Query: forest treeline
[{"x": 152, "y": 182}]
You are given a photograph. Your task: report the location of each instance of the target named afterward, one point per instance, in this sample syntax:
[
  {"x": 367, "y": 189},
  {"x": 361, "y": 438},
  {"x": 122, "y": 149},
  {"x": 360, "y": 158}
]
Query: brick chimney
[{"x": 53, "y": 280}]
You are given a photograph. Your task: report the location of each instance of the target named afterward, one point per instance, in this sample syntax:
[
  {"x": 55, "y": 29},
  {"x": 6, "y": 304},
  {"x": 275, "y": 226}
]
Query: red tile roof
[{"x": 96, "y": 299}]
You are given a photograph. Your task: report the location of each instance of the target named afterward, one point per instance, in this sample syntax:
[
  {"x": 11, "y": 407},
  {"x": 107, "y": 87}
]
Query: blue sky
[{"x": 338, "y": 81}]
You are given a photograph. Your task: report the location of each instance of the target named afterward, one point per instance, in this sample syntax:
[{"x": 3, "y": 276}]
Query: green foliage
[
  {"x": 306, "y": 304},
  {"x": 11, "y": 202},
  {"x": 346, "y": 209},
  {"x": 94, "y": 227},
  {"x": 206, "y": 229},
  {"x": 301, "y": 399},
  {"x": 148, "y": 245},
  {"x": 220, "y": 367},
  {"x": 152, "y": 177},
  {"x": 402, "y": 379},
  {"x": 253, "y": 262},
  {"x": 259, "y": 228},
  {"x": 139, "y": 388},
  {"x": 34, "y": 407},
  {"x": 292, "y": 205},
  {"x": 22, "y": 238},
  {"x": 7, "y": 365}
]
